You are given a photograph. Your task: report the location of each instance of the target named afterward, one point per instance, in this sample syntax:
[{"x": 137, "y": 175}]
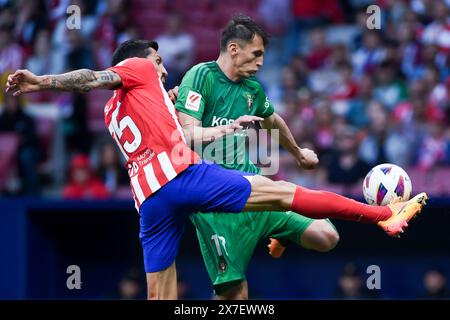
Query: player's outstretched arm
[
  {"x": 195, "y": 133},
  {"x": 306, "y": 158},
  {"x": 82, "y": 80}
]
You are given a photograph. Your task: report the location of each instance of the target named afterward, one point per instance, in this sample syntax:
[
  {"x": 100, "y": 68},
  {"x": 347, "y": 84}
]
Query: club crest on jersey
[
  {"x": 193, "y": 101},
  {"x": 222, "y": 264},
  {"x": 249, "y": 101},
  {"x": 133, "y": 169}
]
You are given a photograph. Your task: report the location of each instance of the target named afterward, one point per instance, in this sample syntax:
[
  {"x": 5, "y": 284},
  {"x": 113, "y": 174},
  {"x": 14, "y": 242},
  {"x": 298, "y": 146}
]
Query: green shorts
[{"x": 227, "y": 240}]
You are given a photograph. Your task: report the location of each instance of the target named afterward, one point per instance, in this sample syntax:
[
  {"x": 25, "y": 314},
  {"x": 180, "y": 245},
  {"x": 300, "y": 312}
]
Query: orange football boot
[{"x": 402, "y": 212}]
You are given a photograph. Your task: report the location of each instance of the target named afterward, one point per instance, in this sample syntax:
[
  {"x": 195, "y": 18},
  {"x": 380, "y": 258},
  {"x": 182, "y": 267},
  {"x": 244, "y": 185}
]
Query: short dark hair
[
  {"x": 242, "y": 27},
  {"x": 133, "y": 48}
]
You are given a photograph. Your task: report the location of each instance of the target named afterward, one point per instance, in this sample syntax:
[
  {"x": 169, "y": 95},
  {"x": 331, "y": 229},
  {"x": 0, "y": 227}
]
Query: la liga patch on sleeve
[{"x": 193, "y": 101}]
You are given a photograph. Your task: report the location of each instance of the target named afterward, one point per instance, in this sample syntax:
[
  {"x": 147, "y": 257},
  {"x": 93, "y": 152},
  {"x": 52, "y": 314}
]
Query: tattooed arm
[{"x": 82, "y": 80}]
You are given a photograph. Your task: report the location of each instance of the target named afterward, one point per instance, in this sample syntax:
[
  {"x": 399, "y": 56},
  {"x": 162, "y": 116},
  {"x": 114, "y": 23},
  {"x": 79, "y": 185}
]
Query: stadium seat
[
  {"x": 151, "y": 23},
  {"x": 203, "y": 18},
  {"x": 242, "y": 3},
  {"x": 438, "y": 182},
  {"x": 228, "y": 11},
  {"x": 188, "y": 6},
  {"x": 151, "y": 32},
  {"x": 418, "y": 178},
  {"x": 208, "y": 42},
  {"x": 151, "y": 18},
  {"x": 145, "y": 5},
  {"x": 435, "y": 182}
]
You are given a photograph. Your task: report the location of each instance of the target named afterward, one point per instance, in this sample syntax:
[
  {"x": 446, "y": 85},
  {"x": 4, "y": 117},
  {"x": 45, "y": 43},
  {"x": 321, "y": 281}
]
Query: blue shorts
[{"x": 204, "y": 187}]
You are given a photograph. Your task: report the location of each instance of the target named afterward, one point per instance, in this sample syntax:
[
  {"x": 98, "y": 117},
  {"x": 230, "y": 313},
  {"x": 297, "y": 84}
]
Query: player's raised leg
[{"x": 282, "y": 196}]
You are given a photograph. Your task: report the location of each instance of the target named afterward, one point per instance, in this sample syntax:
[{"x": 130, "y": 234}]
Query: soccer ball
[{"x": 385, "y": 182}]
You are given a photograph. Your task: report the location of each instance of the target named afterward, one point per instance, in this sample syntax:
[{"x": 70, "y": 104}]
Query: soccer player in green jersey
[{"x": 215, "y": 94}]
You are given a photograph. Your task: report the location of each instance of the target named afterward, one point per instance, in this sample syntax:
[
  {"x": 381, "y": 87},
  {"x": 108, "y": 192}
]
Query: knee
[
  {"x": 323, "y": 237},
  {"x": 330, "y": 237},
  {"x": 333, "y": 239}
]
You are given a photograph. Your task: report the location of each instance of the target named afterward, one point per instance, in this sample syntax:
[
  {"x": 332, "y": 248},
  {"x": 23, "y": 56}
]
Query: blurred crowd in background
[
  {"x": 358, "y": 97},
  {"x": 350, "y": 285}
]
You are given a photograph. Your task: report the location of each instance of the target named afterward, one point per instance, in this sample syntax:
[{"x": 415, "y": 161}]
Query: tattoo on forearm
[
  {"x": 83, "y": 80},
  {"x": 77, "y": 81},
  {"x": 106, "y": 76}
]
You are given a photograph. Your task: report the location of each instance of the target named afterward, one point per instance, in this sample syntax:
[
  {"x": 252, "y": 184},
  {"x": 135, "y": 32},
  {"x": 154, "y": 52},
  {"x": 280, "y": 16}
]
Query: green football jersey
[{"x": 208, "y": 95}]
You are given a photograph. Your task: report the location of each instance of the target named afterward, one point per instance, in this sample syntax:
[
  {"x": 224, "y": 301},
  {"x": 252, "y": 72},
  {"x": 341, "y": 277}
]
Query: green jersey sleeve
[
  {"x": 264, "y": 107},
  {"x": 193, "y": 92}
]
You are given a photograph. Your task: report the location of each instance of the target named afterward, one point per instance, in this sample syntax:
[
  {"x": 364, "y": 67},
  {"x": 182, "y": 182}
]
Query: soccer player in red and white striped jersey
[{"x": 149, "y": 138}]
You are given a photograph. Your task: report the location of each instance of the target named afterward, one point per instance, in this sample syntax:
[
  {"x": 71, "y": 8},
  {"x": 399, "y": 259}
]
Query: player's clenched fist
[{"x": 308, "y": 158}]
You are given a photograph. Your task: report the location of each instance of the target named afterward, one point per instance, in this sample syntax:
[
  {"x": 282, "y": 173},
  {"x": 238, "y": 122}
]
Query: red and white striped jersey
[{"x": 143, "y": 122}]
